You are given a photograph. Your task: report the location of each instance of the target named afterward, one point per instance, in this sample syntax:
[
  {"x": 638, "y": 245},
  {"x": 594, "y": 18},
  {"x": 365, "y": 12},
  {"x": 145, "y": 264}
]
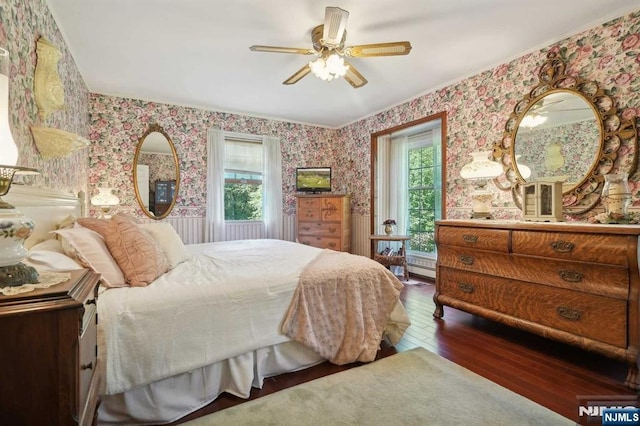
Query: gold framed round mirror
[
  {"x": 156, "y": 173},
  {"x": 565, "y": 129}
]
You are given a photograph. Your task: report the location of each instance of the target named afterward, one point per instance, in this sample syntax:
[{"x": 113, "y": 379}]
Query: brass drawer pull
[
  {"x": 570, "y": 276},
  {"x": 332, "y": 244},
  {"x": 86, "y": 366},
  {"x": 561, "y": 246},
  {"x": 467, "y": 260},
  {"x": 568, "y": 313},
  {"x": 333, "y": 230},
  {"x": 468, "y": 238},
  {"x": 466, "y": 287}
]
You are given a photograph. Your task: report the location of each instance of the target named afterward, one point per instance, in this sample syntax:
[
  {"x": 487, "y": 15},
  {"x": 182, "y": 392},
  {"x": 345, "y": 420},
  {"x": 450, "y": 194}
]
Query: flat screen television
[{"x": 313, "y": 179}]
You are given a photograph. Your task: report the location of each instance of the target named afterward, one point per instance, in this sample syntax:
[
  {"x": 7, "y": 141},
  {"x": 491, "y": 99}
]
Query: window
[
  {"x": 409, "y": 183},
  {"x": 243, "y": 166},
  {"x": 423, "y": 194}
]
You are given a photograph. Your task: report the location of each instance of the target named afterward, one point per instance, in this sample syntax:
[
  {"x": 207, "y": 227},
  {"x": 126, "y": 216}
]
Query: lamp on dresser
[
  {"x": 479, "y": 171},
  {"x": 14, "y": 226},
  {"x": 105, "y": 200}
]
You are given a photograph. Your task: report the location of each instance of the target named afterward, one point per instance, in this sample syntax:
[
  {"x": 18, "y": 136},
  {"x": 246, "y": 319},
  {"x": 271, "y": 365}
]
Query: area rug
[{"x": 415, "y": 387}]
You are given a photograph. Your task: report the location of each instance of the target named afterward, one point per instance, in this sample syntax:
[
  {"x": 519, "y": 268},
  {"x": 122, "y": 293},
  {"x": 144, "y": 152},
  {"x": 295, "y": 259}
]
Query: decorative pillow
[
  {"x": 45, "y": 260},
  {"x": 90, "y": 250},
  {"x": 137, "y": 254},
  {"x": 168, "y": 240}
]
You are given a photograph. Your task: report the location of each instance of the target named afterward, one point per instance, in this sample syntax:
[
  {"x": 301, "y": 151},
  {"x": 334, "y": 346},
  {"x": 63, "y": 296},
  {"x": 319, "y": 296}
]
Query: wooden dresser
[
  {"x": 574, "y": 282},
  {"x": 324, "y": 221},
  {"x": 49, "y": 354}
]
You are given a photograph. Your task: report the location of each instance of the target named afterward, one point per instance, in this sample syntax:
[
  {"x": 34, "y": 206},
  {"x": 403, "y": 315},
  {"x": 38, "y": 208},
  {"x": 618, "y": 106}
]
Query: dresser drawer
[
  {"x": 309, "y": 203},
  {"x": 595, "y": 317},
  {"x": 611, "y": 249},
  {"x": 484, "y": 239},
  {"x": 88, "y": 351},
  {"x": 331, "y": 209},
  {"x": 319, "y": 229},
  {"x": 605, "y": 280},
  {"x": 320, "y": 242},
  {"x": 474, "y": 260},
  {"x": 309, "y": 215}
]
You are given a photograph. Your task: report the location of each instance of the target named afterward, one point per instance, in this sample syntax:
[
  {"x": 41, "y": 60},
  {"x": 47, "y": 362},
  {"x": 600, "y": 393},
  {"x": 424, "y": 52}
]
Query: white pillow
[
  {"x": 90, "y": 250},
  {"x": 51, "y": 244},
  {"x": 45, "y": 260},
  {"x": 168, "y": 240}
]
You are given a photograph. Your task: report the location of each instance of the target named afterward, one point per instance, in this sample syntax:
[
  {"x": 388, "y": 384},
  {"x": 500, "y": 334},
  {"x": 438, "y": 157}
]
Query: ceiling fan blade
[
  {"x": 353, "y": 77},
  {"x": 276, "y": 49},
  {"x": 378, "y": 49},
  {"x": 298, "y": 75},
  {"x": 335, "y": 23}
]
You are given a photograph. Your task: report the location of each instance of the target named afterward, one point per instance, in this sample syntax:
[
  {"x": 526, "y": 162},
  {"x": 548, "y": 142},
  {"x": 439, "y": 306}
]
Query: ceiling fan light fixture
[{"x": 330, "y": 68}]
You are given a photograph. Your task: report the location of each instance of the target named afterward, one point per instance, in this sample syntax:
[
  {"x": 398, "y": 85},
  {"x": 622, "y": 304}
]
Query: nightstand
[
  {"x": 394, "y": 259},
  {"x": 49, "y": 354}
]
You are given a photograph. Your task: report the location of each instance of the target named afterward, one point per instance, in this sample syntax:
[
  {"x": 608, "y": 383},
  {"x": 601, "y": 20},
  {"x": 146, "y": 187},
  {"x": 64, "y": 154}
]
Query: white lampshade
[
  {"x": 481, "y": 167},
  {"x": 8, "y": 148}
]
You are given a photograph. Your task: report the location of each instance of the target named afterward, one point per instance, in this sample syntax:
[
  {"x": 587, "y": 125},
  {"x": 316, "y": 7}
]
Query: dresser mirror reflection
[
  {"x": 565, "y": 129},
  {"x": 156, "y": 173}
]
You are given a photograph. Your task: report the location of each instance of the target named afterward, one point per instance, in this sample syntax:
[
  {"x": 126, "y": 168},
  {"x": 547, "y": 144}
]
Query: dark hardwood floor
[{"x": 548, "y": 372}]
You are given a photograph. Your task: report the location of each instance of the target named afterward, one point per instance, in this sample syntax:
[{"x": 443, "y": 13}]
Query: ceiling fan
[{"x": 329, "y": 48}]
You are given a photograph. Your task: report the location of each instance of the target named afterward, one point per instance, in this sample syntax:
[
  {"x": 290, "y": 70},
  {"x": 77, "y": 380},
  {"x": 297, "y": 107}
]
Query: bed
[{"x": 217, "y": 317}]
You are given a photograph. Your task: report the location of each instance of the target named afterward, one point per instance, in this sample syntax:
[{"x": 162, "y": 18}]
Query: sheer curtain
[
  {"x": 272, "y": 187},
  {"x": 399, "y": 188},
  {"x": 383, "y": 183},
  {"x": 215, "y": 226}
]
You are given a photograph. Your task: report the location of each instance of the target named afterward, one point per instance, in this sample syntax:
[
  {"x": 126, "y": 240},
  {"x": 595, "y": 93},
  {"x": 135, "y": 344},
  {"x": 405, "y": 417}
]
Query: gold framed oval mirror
[
  {"x": 156, "y": 173},
  {"x": 565, "y": 129}
]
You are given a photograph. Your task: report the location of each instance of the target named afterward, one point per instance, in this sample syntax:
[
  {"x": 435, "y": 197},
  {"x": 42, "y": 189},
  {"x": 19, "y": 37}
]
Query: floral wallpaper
[
  {"x": 477, "y": 109},
  {"x": 117, "y": 123},
  {"x": 21, "y": 24}
]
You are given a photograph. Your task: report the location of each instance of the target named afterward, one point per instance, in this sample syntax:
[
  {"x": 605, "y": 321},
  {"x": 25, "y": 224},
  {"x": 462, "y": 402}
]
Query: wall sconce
[
  {"x": 105, "y": 200},
  {"x": 480, "y": 171},
  {"x": 48, "y": 89},
  {"x": 56, "y": 143}
]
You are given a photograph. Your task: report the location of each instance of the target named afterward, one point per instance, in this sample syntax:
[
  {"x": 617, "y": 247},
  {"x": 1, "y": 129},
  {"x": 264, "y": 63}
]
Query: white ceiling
[{"x": 196, "y": 52}]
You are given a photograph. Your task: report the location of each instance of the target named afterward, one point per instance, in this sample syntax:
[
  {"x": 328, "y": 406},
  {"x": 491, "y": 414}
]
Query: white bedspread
[{"x": 230, "y": 298}]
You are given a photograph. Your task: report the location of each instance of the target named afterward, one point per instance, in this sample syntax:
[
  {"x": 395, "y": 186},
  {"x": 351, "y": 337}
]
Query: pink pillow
[
  {"x": 137, "y": 255},
  {"x": 90, "y": 250}
]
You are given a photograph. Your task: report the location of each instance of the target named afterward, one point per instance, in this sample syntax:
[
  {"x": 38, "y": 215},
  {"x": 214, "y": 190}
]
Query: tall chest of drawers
[
  {"x": 49, "y": 354},
  {"x": 576, "y": 283},
  {"x": 324, "y": 221}
]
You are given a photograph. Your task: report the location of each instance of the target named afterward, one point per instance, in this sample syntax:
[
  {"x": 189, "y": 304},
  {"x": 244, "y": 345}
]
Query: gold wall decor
[
  {"x": 48, "y": 88},
  {"x": 56, "y": 143}
]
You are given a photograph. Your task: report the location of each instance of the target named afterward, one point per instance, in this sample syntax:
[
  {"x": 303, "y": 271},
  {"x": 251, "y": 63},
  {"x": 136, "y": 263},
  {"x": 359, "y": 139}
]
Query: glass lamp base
[{"x": 16, "y": 275}]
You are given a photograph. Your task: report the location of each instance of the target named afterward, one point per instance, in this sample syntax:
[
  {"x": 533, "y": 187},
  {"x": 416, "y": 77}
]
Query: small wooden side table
[{"x": 399, "y": 259}]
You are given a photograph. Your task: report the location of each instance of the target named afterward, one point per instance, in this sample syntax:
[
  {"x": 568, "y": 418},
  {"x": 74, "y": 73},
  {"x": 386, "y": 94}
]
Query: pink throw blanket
[{"x": 342, "y": 306}]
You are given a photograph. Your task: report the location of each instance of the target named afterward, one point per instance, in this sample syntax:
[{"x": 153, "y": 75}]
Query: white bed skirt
[{"x": 170, "y": 399}]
